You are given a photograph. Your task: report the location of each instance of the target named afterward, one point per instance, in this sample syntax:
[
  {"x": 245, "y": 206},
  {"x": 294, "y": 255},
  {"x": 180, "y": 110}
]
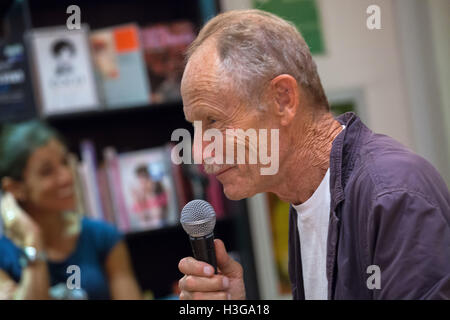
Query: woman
[{"x": 47, "y": 251}]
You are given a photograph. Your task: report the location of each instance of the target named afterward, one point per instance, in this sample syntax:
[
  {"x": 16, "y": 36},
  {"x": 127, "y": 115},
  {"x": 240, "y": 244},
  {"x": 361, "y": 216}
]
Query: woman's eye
[
  {"x": 46, "y": 171},
  {"x": 65, "y": 161}
]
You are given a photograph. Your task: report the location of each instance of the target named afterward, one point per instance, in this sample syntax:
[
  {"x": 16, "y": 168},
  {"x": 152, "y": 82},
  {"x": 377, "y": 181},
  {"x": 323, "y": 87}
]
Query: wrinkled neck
[{"x": 307, "y": 161}]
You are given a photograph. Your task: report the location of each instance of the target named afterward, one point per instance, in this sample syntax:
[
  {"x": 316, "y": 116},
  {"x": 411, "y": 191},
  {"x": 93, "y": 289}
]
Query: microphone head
[{"x": 198, "y": 218}]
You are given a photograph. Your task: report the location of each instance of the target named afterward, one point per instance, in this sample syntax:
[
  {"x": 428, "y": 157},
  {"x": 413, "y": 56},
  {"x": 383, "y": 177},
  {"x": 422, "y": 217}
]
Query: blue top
[{"x": 95, "y": 241}]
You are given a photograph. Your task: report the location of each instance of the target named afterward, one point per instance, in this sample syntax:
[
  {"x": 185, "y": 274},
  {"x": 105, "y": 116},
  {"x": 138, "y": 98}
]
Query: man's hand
[{"x": 200, "y": 282}]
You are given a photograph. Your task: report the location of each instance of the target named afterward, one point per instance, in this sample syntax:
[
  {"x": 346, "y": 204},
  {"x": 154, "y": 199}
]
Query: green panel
[
  {"x": 340, "y": 108},
  {"x": 303, "y": 13}
]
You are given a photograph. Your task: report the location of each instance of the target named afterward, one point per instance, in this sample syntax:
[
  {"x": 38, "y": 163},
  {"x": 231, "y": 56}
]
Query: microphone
[{"x": 198, "y": 220}]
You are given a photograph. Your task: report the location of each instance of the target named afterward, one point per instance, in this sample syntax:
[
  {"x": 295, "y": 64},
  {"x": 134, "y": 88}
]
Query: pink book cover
[
  {"x": 114, "y": 182},
  {"x": 164, "y": 45},
  {"x": 88, "y": 156},
  {"x": 148, "y": 188}
]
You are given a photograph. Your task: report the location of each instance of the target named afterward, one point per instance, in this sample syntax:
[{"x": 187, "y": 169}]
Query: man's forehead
[{"x": 203, "y": 89}]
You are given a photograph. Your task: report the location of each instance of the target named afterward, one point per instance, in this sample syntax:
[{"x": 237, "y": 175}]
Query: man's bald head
[{"x": 253, "y": 47}]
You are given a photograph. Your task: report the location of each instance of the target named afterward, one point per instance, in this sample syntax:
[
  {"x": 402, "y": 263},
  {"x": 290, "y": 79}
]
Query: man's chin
[{"x": 235, "y": 194}]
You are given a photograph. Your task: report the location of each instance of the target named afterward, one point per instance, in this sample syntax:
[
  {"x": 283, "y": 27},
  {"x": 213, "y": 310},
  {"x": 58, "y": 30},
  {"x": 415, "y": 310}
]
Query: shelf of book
[{"x": 116, "y": 144}]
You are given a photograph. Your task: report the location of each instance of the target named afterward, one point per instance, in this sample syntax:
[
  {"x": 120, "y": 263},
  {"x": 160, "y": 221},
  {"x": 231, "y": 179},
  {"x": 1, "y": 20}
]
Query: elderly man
[{"x": 361, "y": 203}]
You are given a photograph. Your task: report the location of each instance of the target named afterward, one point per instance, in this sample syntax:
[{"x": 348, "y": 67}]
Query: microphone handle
[{"x": 204, "y": 250}]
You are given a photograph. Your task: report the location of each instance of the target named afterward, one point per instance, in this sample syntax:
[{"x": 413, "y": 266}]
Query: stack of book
[
  {"x": 140, "y": 190},
  {"x": 117, "y": 67}
]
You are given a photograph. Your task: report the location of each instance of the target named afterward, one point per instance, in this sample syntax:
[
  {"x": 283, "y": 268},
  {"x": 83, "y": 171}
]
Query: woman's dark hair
[
  {"x": 19, "y": 141},
  {"x": 142, "y": 170}
]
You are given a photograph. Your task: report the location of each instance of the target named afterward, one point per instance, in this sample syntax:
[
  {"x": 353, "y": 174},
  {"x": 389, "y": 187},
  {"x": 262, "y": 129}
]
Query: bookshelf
[{"x": 155, "y": 253}]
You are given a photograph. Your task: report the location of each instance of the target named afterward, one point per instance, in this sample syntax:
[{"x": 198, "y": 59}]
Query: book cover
[
  {"x": 164, "y": 45},
  {"x": 114, "y": 184},
  {"x": 105, "y": 194},
  {"x": 85, "y": 189},
  {"x": 16, "y": 95},
  {"x": 63, "y": 72},
  {"x": 88, "y": 158},
  {"x": 148, "y": 188},
  {"x": 120, "y": 66},
  {"x": 206, "y": 187},
  {"x": 78, "y": 184},
  {"x": 181, "y": 185}
]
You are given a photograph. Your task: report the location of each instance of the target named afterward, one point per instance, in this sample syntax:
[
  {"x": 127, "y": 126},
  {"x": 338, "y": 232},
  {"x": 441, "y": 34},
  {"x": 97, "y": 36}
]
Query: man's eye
[{"x": 211, "y": 120}]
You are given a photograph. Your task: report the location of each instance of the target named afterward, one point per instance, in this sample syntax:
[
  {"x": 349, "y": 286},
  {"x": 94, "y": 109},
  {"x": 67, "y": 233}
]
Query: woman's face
[
  {"x": 48, "y": 180},
  {"x": 146, "y": 183}
]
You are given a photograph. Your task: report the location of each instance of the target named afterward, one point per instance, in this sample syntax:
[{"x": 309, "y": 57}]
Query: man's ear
[
  {"x": 16, "y": 188},
  {"x": 285, "y": 97}
]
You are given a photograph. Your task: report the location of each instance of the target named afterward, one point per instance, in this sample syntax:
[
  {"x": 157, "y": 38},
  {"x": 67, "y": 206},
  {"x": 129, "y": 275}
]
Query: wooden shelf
[
  {"x": 104, "y": 112},
  {"x": 126, "y": 129}
]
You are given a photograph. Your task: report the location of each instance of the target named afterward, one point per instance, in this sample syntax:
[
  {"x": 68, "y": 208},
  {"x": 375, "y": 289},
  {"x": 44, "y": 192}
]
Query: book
[
  {"x": 78, "y": 184},
  {"x": 148, "y": 188},
  {"x": 87, "y": 205},
  {"x": 114, "y": 183},
  {"x": 16, "y": 96},
  {"x": 214, "y": 193},
  {"x": 88, "y": 157},
  {"x": 205, "y": 187},
  {"x": 120, "y": 66},
  {"x": 164, "y": 45},
  {"x": 63, "y": 74},
  {"x": 105, "y": 194},
  {"x": 181, "y": 185}
]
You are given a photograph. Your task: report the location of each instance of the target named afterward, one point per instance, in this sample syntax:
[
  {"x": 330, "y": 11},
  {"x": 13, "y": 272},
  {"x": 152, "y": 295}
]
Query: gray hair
[{"x": 256, "y": 46}]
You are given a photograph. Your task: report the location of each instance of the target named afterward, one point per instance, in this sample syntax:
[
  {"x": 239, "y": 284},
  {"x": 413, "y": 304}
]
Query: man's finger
[
  {"x": 202, "y": 284},
  {"x": 190, "y": 266},
  {"x": 226, "y": 264},
  {"x": 217, "y": 295}
]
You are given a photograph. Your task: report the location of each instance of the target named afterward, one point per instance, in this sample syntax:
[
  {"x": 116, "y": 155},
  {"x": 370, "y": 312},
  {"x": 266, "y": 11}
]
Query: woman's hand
[{"x": 18, "y": 225}]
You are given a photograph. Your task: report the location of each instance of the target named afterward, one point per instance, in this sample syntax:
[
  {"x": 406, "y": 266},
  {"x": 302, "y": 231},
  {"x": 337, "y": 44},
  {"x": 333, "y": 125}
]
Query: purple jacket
[{"x": 389, "y": 208}]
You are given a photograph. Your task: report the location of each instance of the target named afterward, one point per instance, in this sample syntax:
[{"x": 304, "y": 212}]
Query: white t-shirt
[{"x": 313, "y": 218}]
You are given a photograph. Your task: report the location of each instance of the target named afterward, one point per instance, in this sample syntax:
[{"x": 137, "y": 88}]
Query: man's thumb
[{"x": 226, "y": 264}]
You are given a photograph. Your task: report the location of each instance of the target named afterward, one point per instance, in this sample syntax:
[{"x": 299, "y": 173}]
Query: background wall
[
  {"x": 367, "y": 59},
  {"x": 423, "y": 28}
]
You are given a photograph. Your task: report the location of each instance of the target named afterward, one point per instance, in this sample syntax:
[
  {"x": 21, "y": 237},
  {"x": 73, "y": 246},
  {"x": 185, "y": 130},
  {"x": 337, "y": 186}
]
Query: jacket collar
[{"x": 343, "y": 156}]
